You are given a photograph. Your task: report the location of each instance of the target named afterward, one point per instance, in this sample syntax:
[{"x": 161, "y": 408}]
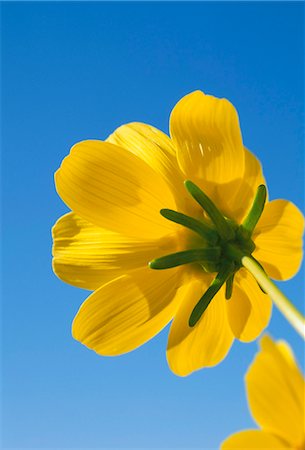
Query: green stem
[{"x": 288, "y": 310}]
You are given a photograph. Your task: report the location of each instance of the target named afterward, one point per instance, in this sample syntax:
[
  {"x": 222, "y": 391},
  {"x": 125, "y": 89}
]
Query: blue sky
[{"x": 73, "y": 71}]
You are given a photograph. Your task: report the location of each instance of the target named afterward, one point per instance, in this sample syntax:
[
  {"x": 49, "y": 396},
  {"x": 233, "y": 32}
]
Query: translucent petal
[
  {"x": 208, "y": 342},
  {"x": 88, "y": 256},
  {"x": 276, "y": 394},
  {"x": 155, "y": 148},
  {"x": 237, "y": 205},
  {"x": 254, "y": 440},
  {"x": 278, "y": 239},
  {"x": 249, "y": 309},
  {"x": 206, "y": 133},
  {"x": 112, "y": 188},
  {"x": 128, "y": 311}
]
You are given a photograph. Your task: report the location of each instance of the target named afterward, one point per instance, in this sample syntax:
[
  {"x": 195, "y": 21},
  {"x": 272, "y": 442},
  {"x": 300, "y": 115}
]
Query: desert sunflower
[
  {"x": 276, "y": 388},
  {"x": 160, "y": 230}
]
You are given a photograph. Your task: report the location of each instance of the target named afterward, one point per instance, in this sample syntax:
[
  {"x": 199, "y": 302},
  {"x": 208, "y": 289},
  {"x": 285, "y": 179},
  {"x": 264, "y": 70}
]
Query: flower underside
[{"x": 223, "y": 243}]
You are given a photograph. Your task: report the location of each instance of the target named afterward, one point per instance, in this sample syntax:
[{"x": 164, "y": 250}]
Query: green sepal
[
  {"x": 229, "y": 286},
  {"x": 255, "y": 212},
  {"x": 186, "y": 257},
  {"x": 200, "y": 227},
  {"x": 224, "y": 229},
  {"x": 207, "y": 297}
]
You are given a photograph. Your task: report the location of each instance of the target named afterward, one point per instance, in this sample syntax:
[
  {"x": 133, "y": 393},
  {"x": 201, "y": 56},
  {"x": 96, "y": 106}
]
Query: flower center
[{"x": 223, "y": 243}]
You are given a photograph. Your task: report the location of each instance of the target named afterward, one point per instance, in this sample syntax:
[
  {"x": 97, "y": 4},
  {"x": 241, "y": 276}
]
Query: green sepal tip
[
  {"x": 229, "y": 286},
  {"x": 186, "y": 257},
  {"x": 207, "y": 297},
  {"x": 204, "y": 230},
  {"x": 225, "y": 231},
  {"x": 255, "y": 212}
]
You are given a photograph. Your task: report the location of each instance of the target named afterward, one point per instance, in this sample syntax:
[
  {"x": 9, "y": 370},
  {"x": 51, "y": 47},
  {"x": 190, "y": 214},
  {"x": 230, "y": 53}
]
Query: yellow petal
[
  {"x": 276, "y": 394},
  {"x": 112, "y": 188},
  {"x": 155, "y": 148},
  {"x": 208, "y": 342},
  {"x": 287, "y": 354},
  {"x": 249, "y": 309},
  {"x": 278, "y": 239},
  {"x": 128, "y": 311},
  {"x": 88, "y": 256},
  {"x": 206, "y": 133},
  {"x": 237, "y": 205},
  {"x": 254, "y": 439},
  {"x": 284, "y": 357}
]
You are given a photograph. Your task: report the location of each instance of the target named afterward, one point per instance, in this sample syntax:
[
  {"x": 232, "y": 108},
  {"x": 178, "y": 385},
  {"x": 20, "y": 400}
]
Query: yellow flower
[
  {"x": 116, "y": 190},
  {"x": 276, "y": 389}
]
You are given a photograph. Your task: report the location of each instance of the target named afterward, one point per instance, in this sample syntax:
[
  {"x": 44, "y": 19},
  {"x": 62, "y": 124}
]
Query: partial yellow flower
[
  {"x": 117, "y": 189},
  {"x": 276, "y": 397}
]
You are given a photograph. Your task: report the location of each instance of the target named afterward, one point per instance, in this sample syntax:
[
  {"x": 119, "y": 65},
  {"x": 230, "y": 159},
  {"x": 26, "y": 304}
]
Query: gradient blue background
[{"x": 73, "y": 71}]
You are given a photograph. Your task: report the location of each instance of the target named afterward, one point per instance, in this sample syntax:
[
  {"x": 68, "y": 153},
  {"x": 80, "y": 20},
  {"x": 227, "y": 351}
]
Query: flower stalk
[{"x": 288, "y": 310}]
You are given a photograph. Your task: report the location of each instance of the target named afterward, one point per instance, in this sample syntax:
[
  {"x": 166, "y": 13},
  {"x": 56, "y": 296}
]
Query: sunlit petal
[
  {"x": 113, "y": 188},
  {"x": 278, "y": 239},
  {"x": 208, "y": 342},
  {"x": 237, "y": 204},
  {"x": 206, "y": 133},
  {"x": 249, "y": 309},
  {"x": 276, "y": 393},
  {"x": 128, "y": 311},
  {"x": 88, "y": 256},
  {"x": 155, "y": 148},
  {"x": 254, "y": 440}
]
